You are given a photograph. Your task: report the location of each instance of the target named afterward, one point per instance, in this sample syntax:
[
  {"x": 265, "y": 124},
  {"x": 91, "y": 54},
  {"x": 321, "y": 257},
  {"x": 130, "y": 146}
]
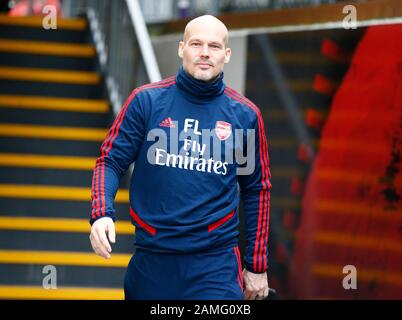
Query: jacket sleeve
[
  {"x": 255, "y": 194},
  {"x": 118, "y": 151}
]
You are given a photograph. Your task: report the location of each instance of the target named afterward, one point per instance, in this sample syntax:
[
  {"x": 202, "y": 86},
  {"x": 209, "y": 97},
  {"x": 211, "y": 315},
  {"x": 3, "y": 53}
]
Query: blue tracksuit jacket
[{"x": 184, "y": 188}]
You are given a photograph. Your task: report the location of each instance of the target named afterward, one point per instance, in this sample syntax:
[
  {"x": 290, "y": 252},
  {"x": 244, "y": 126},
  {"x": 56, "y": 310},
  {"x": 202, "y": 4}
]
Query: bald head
[
  {"x": 213, "y": 24},
  {"x": 204, "y": 49}
]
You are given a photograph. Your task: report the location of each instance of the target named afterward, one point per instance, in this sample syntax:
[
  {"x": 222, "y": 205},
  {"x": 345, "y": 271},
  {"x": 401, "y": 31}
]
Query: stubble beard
[{"x": 204, "y": 76}]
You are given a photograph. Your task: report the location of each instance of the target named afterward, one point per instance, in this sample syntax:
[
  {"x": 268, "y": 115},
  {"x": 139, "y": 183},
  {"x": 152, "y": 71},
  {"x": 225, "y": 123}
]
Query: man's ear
[
  {"x": 180, "y": 51},
  {"x": 228, "y": 54}
]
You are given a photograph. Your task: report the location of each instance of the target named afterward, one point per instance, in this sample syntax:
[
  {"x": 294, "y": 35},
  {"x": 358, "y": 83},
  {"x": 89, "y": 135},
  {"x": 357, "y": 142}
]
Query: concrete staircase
[{"x": 54, "y": 114}]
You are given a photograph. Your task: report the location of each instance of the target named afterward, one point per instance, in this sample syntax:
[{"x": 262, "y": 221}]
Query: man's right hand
[{"x": 99, "y": 240}]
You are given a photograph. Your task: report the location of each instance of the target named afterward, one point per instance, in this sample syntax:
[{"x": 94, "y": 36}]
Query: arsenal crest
[{"x": 223, "y": 130}]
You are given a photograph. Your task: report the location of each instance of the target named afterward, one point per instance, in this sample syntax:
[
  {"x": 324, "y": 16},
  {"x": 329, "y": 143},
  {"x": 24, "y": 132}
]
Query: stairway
[{"x": 54, "y": 114}]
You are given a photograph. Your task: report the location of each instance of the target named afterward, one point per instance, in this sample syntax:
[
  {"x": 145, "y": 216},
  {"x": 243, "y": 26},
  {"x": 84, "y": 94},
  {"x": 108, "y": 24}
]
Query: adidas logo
[{"x": 168, "y": 122}]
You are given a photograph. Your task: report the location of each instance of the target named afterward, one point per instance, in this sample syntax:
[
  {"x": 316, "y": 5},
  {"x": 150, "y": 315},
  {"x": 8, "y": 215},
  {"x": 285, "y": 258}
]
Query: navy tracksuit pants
[{"x": 213, "y": 275}]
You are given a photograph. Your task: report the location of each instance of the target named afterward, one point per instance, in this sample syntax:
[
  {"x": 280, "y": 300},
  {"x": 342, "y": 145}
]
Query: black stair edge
[
  {"x": 66, "y": 209},
  {"x": 39, "y": 34},
  {"x": 45, "y": 176},
  {"x": 21, "y": 240},
  {"x": 56, "y": 118},
  {"x": 29, "y": 60},
  {"x": 53, "y": 89},
  {"x": 50, "y": 146},
  {"x": 67, "y": 276}
]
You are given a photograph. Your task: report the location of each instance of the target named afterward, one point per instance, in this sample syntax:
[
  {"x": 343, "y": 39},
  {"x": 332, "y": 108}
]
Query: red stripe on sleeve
[
  {"x": 239, "y": 269},
  {"x": 261, "y": 241}
]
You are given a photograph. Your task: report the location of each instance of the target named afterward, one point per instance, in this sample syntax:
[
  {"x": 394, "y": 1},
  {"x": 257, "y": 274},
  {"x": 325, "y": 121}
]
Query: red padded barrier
[{"x": 351, "y": 213}]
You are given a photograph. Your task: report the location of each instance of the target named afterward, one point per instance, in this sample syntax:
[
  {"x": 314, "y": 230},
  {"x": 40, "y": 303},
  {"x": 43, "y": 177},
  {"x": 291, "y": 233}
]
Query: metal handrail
[
  {"x": 156, "y": 12},
  {"x": 126, "y": 56},
  {"x": 144, "y": 40}
]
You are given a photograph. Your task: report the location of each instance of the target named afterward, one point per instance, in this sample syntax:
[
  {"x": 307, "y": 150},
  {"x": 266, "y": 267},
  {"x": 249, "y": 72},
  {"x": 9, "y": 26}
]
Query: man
[{"x": 184, "y": 203}]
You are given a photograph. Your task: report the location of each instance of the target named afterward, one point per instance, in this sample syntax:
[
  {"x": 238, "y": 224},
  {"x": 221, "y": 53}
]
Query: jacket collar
[{"x": 196, "y": 90}]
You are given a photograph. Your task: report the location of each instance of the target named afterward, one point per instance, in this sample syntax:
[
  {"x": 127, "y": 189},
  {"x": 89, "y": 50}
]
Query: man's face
[{"x": 203, "y": 50}]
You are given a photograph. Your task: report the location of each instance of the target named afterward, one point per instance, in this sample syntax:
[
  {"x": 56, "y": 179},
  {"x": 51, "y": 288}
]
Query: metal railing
[
  {"x": 124, "y": 48},
  {"x": 156, "y": 11}
]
